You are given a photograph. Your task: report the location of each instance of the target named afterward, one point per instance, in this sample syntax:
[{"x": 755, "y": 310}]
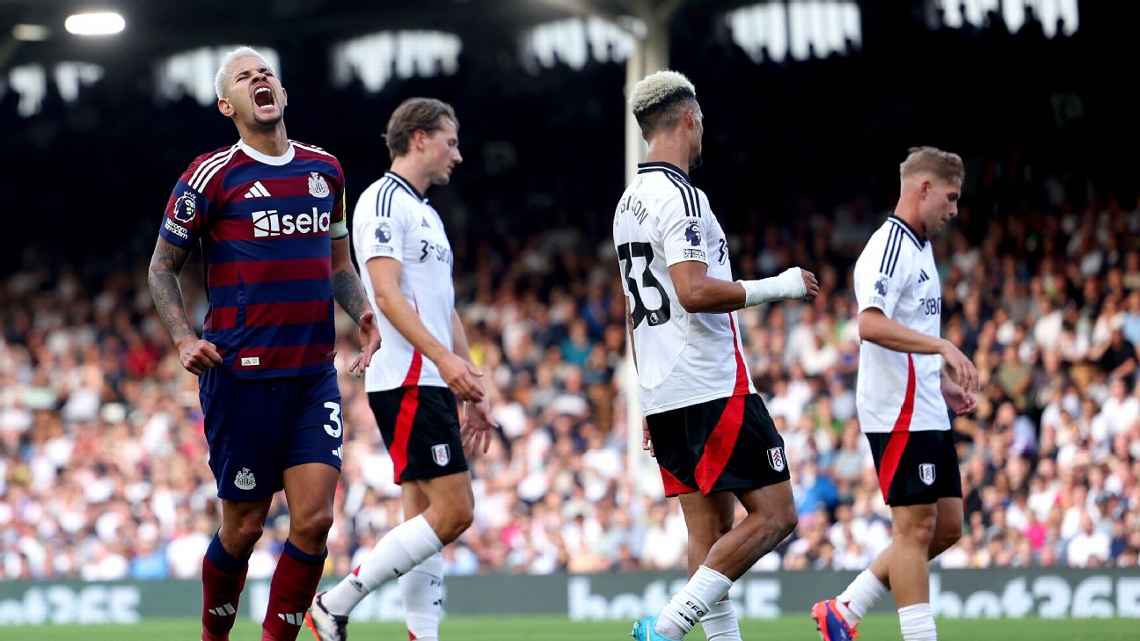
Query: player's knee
[
  {"x": 918, "y": 531},
  {"x": 458, "y": 518},
  {"x": 250, "y": 532},
  {"x": 314, "y": 526},
  {"x": 241, "y": 538},
  {"x": 787, "y": 521}
]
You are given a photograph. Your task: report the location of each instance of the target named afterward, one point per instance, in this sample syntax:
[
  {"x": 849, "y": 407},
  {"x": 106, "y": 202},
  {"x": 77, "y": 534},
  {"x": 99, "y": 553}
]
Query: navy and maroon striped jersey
[{"x": 265, "y": 224}]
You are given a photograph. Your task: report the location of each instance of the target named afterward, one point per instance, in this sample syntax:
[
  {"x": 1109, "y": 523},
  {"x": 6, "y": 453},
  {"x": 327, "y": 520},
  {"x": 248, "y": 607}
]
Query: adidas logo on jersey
[
  {"x": 271, "y": 223},
  {"x": 258, "y": 190},
  {"x": 424, "y": 223},
  {"x": 922, "y": 277}
]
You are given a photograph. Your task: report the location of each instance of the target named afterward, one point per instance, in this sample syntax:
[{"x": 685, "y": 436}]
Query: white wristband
[{"x": 789, "y": 284}]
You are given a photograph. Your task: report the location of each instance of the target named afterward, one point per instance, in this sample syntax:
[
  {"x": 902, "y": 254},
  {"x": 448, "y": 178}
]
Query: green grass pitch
[{"x": 800, "y": 628}]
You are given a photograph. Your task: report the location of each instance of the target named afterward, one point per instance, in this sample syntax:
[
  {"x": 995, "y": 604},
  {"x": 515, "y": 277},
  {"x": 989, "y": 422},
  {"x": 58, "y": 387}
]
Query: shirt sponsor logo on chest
[{"x": 271, "y": 223}]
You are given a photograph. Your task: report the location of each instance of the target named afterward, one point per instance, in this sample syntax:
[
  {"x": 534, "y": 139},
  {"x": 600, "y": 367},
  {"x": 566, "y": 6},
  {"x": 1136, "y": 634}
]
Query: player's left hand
[
  {"x": 475, "y": 427},
  {"x": 369, "y": 341},
  {"x": 960, "y": 401}
]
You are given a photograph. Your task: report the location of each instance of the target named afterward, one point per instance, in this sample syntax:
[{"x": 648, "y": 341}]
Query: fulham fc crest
[
  {"x": 776, "y": 458},
  {"x": 926, "y": 473},
  {"x": 244, "y": 479},
  {"x": 441, "y": 454},
  {"x": 317, "y": 185}
]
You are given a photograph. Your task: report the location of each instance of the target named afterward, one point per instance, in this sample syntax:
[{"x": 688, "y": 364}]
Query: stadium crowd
[{"x": 103, "y": 469}]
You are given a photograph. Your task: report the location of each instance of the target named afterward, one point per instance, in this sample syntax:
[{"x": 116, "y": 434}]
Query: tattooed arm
[
  {"x": 347, "y": 288},
  {"x": 349, "y": 294},
  {"x": 166, "y": 263}
]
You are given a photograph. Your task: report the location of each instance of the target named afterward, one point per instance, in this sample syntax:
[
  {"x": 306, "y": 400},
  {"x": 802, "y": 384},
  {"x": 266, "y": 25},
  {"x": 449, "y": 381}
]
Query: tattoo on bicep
[
  {"x": 349, "y": 293},
  {"x": 165, "y": 265}
]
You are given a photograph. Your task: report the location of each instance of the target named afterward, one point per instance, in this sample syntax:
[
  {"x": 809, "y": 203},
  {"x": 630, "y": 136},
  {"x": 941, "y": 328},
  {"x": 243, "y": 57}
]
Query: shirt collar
[
  {"x": 276, "y": 161},
  {"x": 406, "y": 184},
  {"x": 918, "y": 238},
  {"x": 663, "y": 166}
]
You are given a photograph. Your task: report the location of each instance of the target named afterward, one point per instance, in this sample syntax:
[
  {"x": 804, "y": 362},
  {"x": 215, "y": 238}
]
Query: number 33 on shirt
[{"x": 662, "y": 220}]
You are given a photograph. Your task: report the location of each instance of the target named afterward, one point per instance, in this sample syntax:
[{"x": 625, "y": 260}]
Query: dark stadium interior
[{"x": 100, "y": 428}]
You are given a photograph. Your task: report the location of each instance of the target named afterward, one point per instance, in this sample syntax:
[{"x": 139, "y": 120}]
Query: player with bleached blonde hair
[{"x": 714, "y": 441}]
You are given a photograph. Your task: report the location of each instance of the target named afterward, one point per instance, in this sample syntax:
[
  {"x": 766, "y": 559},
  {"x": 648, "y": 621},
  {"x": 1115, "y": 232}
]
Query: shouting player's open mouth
[{"x": 264, "y": 101}]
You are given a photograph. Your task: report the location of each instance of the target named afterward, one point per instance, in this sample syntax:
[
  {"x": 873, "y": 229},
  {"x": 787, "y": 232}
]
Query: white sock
[
  {"x": 401, "y": 549},
  {"x": 860, "y": 596},
  {"x": 692, "y": 603},
  {"x": 721, "y": 624},
  {"x": 917, "y": 623},
  {"x": 422, "y": 587}
]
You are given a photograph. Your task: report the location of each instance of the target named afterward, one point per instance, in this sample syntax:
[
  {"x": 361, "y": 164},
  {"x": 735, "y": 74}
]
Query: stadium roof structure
[{"x": 159, "y": 27}]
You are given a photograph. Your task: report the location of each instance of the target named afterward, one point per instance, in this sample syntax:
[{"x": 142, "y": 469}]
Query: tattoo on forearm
[
  {"x": 349, "y": 293},
  {"x": 165, "y": 265}
]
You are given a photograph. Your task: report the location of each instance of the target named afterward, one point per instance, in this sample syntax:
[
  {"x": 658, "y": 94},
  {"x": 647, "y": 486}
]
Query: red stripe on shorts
[
  {"x": 673, "y": 485},
  {"x": 896, "y": 444},
  {"x": 404, "y": 419}
]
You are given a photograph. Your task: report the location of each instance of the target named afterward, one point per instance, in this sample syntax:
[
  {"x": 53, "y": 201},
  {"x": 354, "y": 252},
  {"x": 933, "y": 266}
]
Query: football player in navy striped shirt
[{"x": 269, "y": 216}]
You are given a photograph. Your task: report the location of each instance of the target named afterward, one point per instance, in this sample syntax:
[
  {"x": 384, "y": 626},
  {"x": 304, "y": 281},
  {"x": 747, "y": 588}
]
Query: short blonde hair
[
  {"x": 655, "y": 96},
  {"x": 931, "y": 160},
  {"x": 228, "y": 59}
]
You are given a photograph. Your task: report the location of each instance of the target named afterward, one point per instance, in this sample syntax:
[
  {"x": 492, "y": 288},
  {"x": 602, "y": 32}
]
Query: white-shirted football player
[
  {"x": 713, "y": 438},
  {"x": 415, "y": 381},
  {"x": 908, "y": 375}
]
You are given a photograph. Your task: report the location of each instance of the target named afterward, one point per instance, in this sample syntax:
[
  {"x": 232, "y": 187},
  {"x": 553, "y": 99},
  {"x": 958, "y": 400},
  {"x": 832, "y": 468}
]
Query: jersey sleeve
[
  {"x": 184, "y": 219},
  {"x": 883, "y": 271},
  {"x": 682, "y": 231},
  {"x": 380, "y": 224},
  {"x": 339, "y": 227}
]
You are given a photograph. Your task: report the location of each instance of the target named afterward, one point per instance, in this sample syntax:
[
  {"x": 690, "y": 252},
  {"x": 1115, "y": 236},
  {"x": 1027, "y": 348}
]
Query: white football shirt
[
  {"x": 682, "y": 359},
  {"x": 895, "y": 390},
  {"x": 394, "y": 220}
]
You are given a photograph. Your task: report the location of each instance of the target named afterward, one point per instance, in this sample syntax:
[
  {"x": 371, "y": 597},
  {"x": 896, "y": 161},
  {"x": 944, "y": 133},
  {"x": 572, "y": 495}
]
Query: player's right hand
[
  {"x": 462, "y": 377},
  {"x": 960, "y": 368},
  {"x": 810, "y": 284},
  {"x": 198, "y": 355}
]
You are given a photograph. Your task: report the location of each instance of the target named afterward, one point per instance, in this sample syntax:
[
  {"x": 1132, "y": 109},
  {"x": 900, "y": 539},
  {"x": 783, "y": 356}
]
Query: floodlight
[
  {"x": 30, "y": 32},
  {"x": 95, "y": 23}
]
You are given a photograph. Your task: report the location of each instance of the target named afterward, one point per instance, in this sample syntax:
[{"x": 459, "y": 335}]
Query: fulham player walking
[
  {"x": 713, "y": 438},
  {"x": 908, "y": 375}
]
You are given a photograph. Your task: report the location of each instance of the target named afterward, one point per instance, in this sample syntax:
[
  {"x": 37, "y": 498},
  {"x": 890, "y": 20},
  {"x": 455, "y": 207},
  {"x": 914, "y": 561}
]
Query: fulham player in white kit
[
  {"x": 414, "y": 381},
  {"x": 908, "y": 376},
  {"x": 711, "y": 433}
]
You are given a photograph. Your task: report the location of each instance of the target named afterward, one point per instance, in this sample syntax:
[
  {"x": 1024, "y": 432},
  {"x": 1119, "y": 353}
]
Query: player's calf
[{"x": 422, "y": 589}]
